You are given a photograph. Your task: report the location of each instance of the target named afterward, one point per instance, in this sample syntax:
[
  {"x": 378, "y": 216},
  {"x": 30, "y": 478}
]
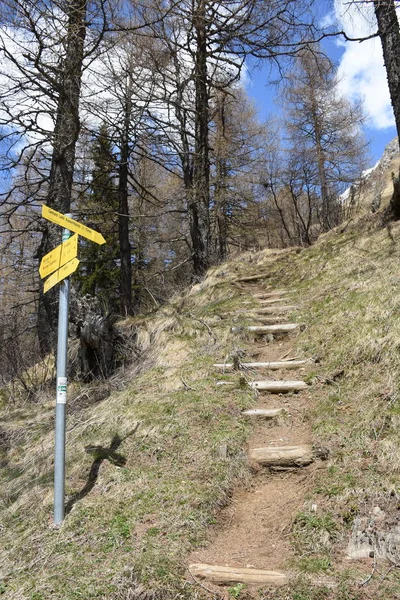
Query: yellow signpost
[
  {"x": 59, "y": 256},
  {"x": 61, "y": 274},
  {"x": 72, "y": 225},
  {"x": 60, "y": 263}
]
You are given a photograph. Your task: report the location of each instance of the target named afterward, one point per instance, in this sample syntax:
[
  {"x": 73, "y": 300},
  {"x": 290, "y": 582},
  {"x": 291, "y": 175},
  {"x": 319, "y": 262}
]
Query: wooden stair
[
  {"x": 275, "y": 310},
  {"x": 229, "y": 575},
  {"x": 268, "y": 301},
  {"x": 273, "y": 366},
  {"x": 283, "y": 456},
  {"x": 273, "y": 294},
  {"x": 264, "y": 413},
  {"x": 273, "y": 457},
  {"x": 280, "y": 328},
  {"x": 253, "y": 278},
  {"x": 279, "y": 387}
]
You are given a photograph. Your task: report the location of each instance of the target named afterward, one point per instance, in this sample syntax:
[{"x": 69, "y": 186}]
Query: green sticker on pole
[{"x": 61, "y": 390}]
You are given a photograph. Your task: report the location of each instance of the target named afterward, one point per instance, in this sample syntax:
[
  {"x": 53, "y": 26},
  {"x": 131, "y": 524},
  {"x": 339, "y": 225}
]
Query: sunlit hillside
[{"x": 157, "y": 456}]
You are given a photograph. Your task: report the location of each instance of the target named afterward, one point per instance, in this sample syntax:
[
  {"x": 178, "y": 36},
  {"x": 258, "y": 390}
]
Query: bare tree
[
  {"x": 389, "y": 33},
  {"x": 324, "y": 132},
  {"x": 44, "y": 46},
  {"x": 205, "y": 39},
  {"x": 239, "y": 147}
]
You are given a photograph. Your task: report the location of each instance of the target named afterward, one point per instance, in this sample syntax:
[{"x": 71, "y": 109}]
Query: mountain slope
[{"x": 151, "y": 466}]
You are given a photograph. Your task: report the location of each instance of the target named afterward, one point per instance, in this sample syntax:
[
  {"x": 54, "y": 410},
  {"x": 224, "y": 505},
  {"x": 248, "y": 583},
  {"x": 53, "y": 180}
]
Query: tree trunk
[
  {"x": 326, "y": 209},
  {"x": 66, "y": 132},
  {"x": 220, "y": 209},
  {"x": 125, "y": 248},
  {"x": 221, "y": 167},
  {"x": 199, "y": 215},
  {"x": 123, "y": 218},
  {"x": 388, "y": 27}
]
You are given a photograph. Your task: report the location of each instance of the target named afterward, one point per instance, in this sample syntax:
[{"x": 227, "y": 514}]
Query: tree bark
[
  {"x": 199, "y": 210},
  {"x": 123, "y": 217},
  {"x": 283, "y": 456},
  {"x": 66, "y": 132},
  {"x": 388, "y": 28},
  {"x": 221, "y": 175},
  {"x": 326, "y": 208}
]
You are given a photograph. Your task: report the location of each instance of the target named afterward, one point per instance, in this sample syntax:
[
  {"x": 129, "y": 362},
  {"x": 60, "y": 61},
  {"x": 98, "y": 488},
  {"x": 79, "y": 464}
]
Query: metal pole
[{"x": 61, "y": 398}]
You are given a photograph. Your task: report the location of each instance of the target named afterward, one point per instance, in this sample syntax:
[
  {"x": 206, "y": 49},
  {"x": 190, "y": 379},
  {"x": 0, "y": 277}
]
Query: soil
[{"x": 254, "y": 530}]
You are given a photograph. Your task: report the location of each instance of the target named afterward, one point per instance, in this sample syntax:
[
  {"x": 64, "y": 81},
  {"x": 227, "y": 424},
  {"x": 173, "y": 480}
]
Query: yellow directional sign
[
  {"x": 59, "y": 256},
  {"x": 61, "y": 274},
  {"x": 72, "y": 225}
]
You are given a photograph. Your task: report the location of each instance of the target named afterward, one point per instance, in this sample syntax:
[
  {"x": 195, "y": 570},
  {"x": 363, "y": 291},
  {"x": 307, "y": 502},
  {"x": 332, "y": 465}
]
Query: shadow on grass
[{"x": 100, "y": 454}]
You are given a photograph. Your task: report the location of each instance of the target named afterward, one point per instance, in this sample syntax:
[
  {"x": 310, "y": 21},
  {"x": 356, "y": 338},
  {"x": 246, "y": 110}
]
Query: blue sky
[{"x": 361, "y": 72}]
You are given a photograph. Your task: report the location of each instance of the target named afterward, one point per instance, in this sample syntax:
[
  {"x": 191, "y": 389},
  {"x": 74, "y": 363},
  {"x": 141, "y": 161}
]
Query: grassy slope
[{"x": 132, "y": 525}]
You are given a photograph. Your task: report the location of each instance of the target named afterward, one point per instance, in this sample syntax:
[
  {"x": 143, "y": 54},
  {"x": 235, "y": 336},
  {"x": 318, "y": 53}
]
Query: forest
[{"x": 133, "y": 117}]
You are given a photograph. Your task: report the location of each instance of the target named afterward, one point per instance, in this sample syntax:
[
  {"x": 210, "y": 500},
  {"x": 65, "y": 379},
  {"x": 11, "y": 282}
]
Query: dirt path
[{"x": 254, "y": 530}]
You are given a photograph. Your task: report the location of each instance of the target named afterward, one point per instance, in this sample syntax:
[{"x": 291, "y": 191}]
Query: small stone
[
  {"x": 223, "y": 451},
  {"x": 314, "y": 508},
  {"x": 237, "y": 329}
]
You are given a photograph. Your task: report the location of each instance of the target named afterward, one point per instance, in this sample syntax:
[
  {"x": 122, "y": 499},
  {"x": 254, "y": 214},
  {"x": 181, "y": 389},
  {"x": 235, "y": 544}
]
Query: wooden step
[
  {"x": 283, "y": 456},
  {"x": 269, "y": 320},
  {"x": 255, "y": 313},
  {"x": 263, "y": 329},
  {"x": 268, "y": 301},
  {"x": 229, "y": 575},
  {"x": 279, "y": 387},
  {"x": 276, "y": 310},
  {"x": 264, "y": 413},
  {"x": 274, "y": 294},
  {"x": 274, "y": 366},
  {"x": 253, "y": 277}
]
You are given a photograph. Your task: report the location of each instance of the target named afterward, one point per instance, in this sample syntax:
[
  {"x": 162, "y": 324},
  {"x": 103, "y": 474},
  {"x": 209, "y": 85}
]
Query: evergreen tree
[{"x": 99, "y": 272}]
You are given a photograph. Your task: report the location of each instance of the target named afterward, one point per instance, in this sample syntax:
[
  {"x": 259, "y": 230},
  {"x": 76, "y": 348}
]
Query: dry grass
[
  {"x": 156, "y": 488},
  {"x": 155, "y": 480}
]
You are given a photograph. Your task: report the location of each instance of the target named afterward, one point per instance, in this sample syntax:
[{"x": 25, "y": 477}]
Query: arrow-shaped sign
[
  {"x": 61, "y": 274},
  {"x": 72, "y": 225},
  {"x": 59, "y": 256}
]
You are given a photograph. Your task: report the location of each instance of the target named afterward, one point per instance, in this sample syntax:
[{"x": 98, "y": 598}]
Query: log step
[
  {"x": 269, "y": 320},
  {"x": 276, "y": 310},
  {"x": 229, "y": 575},
  {"x": 253, "y": 277},
  {"x": 268, "y": 301},
  {"x": 283, "y": 456},
  {"x": 255, "y": 313},
  {"x": 285, "y": 364},
  {"x": 264, "y": 413},
  {"x": 263, "y": 329},
  {"x": 279, "y": 387},
  {"x": 274, "y": 294}
]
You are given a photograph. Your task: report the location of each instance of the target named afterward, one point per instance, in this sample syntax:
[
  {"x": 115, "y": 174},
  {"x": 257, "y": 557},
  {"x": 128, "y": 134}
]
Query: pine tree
[{"x": 99, "y": 272}]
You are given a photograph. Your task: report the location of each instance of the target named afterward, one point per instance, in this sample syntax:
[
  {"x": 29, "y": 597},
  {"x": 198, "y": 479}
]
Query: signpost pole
[
  {"x": 61, "y": 399},
  {"x": 59, "y": 264}
]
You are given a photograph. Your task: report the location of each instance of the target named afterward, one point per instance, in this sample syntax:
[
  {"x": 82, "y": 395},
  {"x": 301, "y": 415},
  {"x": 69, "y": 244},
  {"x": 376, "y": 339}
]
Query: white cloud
[
  {"x": 361, "y": 71},
  {"x": 328, "y": 20}
]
